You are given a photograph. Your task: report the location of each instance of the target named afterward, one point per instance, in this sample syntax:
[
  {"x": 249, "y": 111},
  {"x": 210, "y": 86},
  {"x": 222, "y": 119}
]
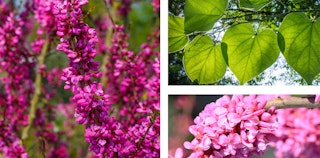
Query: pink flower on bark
[{"x": 237, "y": 127}]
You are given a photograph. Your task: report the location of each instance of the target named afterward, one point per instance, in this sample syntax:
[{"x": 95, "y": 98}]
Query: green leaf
[
  {"x": 254, "y": 4},
  {"x": 204, "y": 61},
  {"x": 281, "y": 42},
  {"x": 249, "y": 54},
  {"x": 302, "y": 44},
  {"x": 201, "y": 15},
  {"x": 177, "y": 37}
]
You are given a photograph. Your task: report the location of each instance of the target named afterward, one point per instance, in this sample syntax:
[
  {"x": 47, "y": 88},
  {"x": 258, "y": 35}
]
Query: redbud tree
[
  {"x": 247, "y": 125},
  {"x": 79, "y": 78}
]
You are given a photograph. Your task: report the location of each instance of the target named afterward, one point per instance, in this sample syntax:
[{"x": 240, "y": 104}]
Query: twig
[
  {"x": 282, "y": 4},
  {"x": 271, "y": 14},
  {"x": 293, "y": 102},
  {"x": 152, "y": 120}
]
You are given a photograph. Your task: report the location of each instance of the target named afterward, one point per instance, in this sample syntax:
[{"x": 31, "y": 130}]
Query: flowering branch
[
  {"x": 293, "y": 102},
  {"x": 37, "y": 92}
]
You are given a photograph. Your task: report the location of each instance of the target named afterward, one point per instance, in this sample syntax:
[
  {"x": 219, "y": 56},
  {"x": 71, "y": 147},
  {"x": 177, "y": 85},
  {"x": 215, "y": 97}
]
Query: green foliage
[
  {"x": 177, "y": 74},
  {"x": 141, "y": 19},
  {"x": 296, "y": 1},
  {"x": 302, "y": 44},
  {"x": 56, "y": 60},
  {"x": 176, "y": 6},
  {"x": 250, "y": 53},
  {"x": 202, "y": 16},
  {"x": 252, "y": 34},
  {"x": 177, "y": 37},
  {"x": 204, "y": 61}
]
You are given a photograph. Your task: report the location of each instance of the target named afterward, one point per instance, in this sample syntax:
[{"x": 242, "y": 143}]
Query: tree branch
[
  {"x": 271, "y": 14},
  {"x": 37, "y": 92},
  {"x": 293, "y": 102},
  {"x": 108, "y": 40}
]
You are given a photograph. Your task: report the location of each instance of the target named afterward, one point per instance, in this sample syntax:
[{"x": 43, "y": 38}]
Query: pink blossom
[
  {"x": 16, "y": 84},
  {"x": 135, "y": 130},
  {"x": 156, "y": 5},
  {"x": 317, "y": 98},
  {"x": 299, "y": 130},
  {"x": 178, "y": 153},
  {"x": 237, "y": 127}
]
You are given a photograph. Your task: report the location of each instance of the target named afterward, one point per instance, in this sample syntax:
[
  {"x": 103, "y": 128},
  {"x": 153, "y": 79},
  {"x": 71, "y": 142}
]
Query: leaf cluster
[{"x": 247, "y": 37}]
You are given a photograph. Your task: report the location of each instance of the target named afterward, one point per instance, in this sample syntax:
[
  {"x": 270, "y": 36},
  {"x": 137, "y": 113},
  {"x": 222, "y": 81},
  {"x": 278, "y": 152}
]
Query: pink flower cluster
[
  {"x": 124, "y": 66},
  {"x": 17, "y": 80},
  {"x": 79, "y": 45},
  {"x": 317, "y": 98},
  {"x": 134, "y": 88},
  {"x": 298, "y": 133},
  {"x": 124, "y": 8},
  {"x": 91, "y": 108},
  {"x": 156, "y": 5},
  {"x": 128, "y": 126},
  {"x": 237, "y": 127},
  {"x": 44, "y": 16},
  {"x": 15, "y": 68},
  {"x": 126, "y": 134},
  {"x": 10, "y": 143}
]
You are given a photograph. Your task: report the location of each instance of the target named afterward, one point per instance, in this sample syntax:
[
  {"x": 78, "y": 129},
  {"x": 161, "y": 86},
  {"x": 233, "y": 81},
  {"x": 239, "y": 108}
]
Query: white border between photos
[
  {"x": 164, "y": 79},
  {"x": 211, "y": 90}
]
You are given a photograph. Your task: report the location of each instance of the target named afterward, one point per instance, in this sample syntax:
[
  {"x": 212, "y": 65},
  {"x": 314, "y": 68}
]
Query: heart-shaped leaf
[
  {"x": 302, "y": 44},
  {"x": 204, "y": 61},
  {"x": 177, "y": 37},
  {"x": 201, "y": 15},
  {"x": 249, "y": 54},
  {"x": 254, "y": 4}
]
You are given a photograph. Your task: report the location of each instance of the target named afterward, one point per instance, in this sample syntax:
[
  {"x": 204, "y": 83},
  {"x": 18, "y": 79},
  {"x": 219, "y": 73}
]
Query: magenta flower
[
  {"x": 135, "y": 131},
  {"x": 237, "y": 127},
  {"x": 156, "y": 5}
]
